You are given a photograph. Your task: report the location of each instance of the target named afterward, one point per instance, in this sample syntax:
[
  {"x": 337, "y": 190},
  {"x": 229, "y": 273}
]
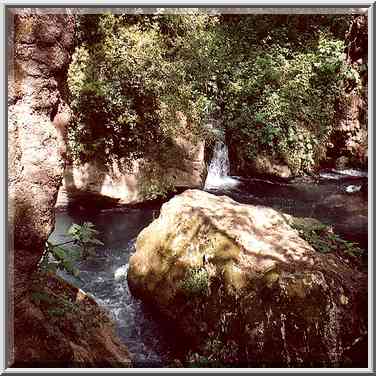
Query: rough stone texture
[
  {"x": 349, "y": 140},
  {"x": 350, "y": 136},
  {"x": 124, "y": 184},
  {"x": 65, "y": 328},
  {"x": 94, "y": 177},
  {"x": 191, "y": 172},
  {"x": 265, "y": 165},
  {"x": 261, "y": 165},
  {"x": 357, "y": 40},
  {"x": 245, "y": 288},
  {"x": 40, "y": 46}
]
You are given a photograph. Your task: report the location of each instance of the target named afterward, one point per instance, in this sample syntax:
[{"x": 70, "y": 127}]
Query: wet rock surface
[{"x": 246, "y": 289}]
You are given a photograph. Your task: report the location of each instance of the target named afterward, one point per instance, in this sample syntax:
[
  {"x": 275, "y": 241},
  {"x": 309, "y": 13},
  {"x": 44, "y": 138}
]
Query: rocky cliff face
[
  {"x": 40, "y": 47},
  {"x": 349, "y": 141},
  {"x": 125, "y": 185},
  {"x": 58, "y": 325}
]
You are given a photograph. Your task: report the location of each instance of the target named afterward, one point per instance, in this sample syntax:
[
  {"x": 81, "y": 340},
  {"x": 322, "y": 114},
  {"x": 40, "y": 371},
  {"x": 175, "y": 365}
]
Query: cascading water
[
  {"x": 149, "y": 338},
  {"x": 104, "y": 276},
  {"x": 220, "y": 164},
  {"x": 219, "y": 168}
]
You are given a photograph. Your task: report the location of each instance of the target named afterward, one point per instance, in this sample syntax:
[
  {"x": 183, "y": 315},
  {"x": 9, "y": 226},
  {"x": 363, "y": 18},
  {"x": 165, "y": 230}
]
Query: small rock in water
[
  {"x": 353, "y": 188},
  {"x": 120, "y": 273}
]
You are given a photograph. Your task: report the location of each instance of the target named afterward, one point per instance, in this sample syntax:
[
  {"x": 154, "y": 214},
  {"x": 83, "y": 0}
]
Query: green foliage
[
  {"x": 55, "y": 305},
  {"x": 153, "y": 182},
  {"x": 322, "y": 238},
  {"x": 56, "y": 312},
  {"x": 57, "y": 257},
  {"x": 128, "y": 82},
  {"x": 196, "y": 282},
  {"x": 215, "y": 353},
  {"x": 84, "y": 236},
  {"x": 272, "y": 81},
  {"x": 283, "y": 103},
  {"x": 196, "y": 360},
  {"x": 135, "y": 83},
  {"x": 38, "y": 297}
]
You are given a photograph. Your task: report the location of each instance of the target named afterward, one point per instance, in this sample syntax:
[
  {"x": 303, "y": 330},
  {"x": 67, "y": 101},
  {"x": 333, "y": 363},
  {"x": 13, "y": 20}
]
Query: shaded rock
[
  {"x": 349, "y": 138},
  {"x": 245, "y": 288},
  {"x": 342, "y": 163},
  {"x": 357, "y": 40},
  {"x": 262, "y": 165},
  {"x": 37, "y": 66},
  {"x": 40, "y": 47},
  {"x": 61, "y": 326},
  {"x": 123, "y": 181}
]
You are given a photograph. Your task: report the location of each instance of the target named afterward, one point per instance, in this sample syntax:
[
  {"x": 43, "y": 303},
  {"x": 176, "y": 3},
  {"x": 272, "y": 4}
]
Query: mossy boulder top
[{"x": 240, "y": 277}]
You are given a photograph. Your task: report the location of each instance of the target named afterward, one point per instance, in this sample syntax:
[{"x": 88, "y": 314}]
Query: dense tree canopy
[{"x": 271, "y": 82}]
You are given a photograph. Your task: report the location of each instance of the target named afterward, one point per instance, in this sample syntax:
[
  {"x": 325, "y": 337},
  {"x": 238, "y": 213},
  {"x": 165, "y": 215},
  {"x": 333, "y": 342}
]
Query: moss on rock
[{"x": 243, "y": 287}]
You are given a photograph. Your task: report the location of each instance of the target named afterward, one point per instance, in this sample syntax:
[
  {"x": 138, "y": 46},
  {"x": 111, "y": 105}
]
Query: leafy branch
[
  {"x": 322, "y": 238},
  {"x": 55, "y": 257}
]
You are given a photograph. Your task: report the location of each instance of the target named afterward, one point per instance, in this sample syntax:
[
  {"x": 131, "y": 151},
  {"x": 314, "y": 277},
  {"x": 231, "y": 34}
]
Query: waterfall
[
  {"x": 219, "y": 168},
  {"x": 220, "y": 164}
]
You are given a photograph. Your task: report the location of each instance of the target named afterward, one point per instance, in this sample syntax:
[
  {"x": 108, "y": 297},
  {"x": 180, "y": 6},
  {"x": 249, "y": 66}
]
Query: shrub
[
  {"x": 322, "y": 238},
  {"x": 57, "y": 257},
  {"x": 283, "y": 103},
  {"x": 196, "y": 282},
  {"x": 271, "y": 81}
]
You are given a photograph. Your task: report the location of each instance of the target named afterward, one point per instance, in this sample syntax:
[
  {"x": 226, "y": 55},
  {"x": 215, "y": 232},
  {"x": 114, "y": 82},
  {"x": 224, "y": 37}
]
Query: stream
[
  {"x": 151, "y": 341},
  {"x": 103, "y": 276}
]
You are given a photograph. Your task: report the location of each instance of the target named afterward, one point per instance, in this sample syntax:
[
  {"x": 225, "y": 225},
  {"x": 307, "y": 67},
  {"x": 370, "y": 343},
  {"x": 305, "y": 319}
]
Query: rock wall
[
  {"x": 262, "y": 165},
  {"x": 124, "y": 183},
  {"x": 40, "y": 48},
  {"x": 349, "y": 141},
  {"x": 61, "y": 326}
]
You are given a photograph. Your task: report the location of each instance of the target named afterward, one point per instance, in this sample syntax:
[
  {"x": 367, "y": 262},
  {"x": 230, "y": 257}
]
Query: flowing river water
[
  {"x": 336, "y": 198},
  {"x": 104, "y": 276}
]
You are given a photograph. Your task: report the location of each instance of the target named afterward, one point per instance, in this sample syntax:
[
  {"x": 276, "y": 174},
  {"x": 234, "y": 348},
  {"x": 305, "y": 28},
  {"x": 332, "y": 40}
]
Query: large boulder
[{"x": 243, "y": 287}]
